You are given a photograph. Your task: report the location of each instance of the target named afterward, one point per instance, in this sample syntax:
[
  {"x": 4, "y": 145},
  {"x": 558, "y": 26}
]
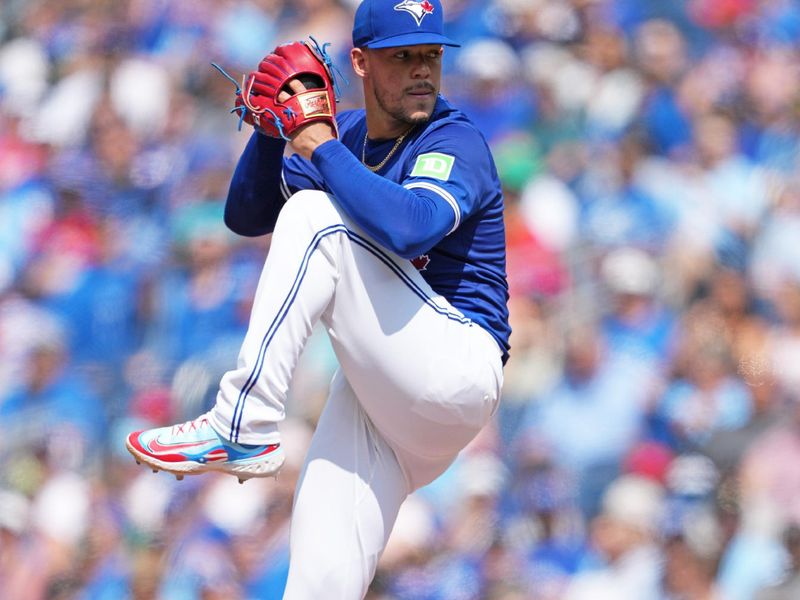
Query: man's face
[{"x": 405, "y": 80}]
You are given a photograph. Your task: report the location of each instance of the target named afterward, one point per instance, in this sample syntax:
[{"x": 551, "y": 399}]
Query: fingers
[{"x": 296, "y": 87}]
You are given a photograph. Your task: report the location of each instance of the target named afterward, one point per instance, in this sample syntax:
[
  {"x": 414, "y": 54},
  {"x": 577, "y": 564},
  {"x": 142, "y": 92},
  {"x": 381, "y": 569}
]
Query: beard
[{"x": 396, "y": 110}]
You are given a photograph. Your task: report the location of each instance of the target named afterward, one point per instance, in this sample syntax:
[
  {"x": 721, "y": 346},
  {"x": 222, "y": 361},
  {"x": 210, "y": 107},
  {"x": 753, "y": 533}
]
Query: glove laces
[
  {"x": 242, "y": 110},
  {"x": 247, "y": 86},
  {"x": 336, "y": 74}
]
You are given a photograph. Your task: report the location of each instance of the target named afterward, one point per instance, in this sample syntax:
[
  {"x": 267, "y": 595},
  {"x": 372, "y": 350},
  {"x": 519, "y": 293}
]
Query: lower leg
[
  {"x": 296, "y": 285},
  {"x": 239, "y": 435},
  {"x": 347, "y": 501}
]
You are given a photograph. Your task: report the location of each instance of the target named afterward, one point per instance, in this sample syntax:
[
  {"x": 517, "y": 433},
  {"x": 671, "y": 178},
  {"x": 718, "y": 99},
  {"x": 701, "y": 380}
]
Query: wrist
[
  {"x": 327, "y": 152},
  {"x": 311, "y": 137}
]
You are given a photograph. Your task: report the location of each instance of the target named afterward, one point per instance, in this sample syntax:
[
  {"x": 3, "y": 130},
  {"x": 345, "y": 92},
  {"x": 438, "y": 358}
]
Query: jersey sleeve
[
  {"x": 407, "y": 222},
  {"x": 254, "y": 201},
  {"x": 442, "y": 182},
  {"x": 452, "y": 164},
  {"x": 301, "y": 174},
  {"x": 264, "y": 180}
]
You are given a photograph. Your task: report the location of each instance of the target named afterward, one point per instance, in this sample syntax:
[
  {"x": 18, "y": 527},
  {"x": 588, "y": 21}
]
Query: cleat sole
[{"x": 244, "y": 471}]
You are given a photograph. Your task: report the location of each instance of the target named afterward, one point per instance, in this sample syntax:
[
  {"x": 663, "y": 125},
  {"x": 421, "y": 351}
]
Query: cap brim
[{"x": 412, "y": 39}]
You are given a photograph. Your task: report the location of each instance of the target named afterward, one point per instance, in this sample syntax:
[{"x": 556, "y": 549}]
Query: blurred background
[{"x": 648, "y": 443}]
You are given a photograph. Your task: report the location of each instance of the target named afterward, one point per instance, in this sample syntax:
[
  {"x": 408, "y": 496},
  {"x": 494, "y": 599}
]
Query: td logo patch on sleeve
[{"x": 433, "y": 164}]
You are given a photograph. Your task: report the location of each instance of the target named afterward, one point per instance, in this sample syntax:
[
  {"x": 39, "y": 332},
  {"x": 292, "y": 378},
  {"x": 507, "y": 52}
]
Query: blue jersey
[{"x": 457, "y": 200}]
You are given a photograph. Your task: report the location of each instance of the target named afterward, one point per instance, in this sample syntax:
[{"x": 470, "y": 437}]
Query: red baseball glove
[{"x": 271, "y": 100}]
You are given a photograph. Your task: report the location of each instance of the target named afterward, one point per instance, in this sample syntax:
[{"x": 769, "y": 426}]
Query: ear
[{"x": 358, "y": 59}]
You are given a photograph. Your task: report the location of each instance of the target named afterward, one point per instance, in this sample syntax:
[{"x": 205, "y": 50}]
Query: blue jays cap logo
[
  {"x": 377, "y": 25},
  {"x": 418, "y": 9}
]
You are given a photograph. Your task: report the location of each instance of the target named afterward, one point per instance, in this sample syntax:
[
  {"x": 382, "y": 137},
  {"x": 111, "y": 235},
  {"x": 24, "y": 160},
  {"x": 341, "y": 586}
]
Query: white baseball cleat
[{"x": 195, "y": 447}]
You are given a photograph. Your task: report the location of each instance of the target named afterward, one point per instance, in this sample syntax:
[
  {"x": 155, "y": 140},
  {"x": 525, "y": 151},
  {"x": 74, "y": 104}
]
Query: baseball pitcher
[{"x": 387, "y": 226}]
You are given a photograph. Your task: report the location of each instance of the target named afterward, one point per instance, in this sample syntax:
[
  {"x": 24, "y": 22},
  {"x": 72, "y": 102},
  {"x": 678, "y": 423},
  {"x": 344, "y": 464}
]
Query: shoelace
[{"x": 193, "y": 425}]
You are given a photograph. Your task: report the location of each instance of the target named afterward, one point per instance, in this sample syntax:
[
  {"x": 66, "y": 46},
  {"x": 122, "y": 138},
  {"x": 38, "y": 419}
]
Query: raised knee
[
  {"x": 313, "y": 207},
  {"x": 310, "y": 196}
]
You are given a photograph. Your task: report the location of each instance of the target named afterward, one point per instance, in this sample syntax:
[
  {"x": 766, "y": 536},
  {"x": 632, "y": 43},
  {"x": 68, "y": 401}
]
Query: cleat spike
[
  {"x": 138, "y": 462},
  {"x": 179, "y": 477},
  {"x": 242, "y": 480},
  {"x": 155, "y": 470}
]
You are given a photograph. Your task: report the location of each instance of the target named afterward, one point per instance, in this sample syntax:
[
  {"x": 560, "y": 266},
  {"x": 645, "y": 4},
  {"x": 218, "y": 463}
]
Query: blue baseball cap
[{"x": 391, "y": 23}]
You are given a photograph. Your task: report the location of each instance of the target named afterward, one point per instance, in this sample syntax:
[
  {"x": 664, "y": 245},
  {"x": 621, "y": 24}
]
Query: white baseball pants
[{"x": 416, "y": 383}]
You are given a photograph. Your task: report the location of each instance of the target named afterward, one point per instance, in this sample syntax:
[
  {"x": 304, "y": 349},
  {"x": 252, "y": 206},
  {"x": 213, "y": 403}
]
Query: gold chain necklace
[{"x": 379, "y": 166}]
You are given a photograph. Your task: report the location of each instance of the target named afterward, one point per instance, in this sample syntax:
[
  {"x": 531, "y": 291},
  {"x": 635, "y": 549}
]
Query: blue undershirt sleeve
[
  {"x": 254, "y": 197},
  {"x": 408, "y": 223}
]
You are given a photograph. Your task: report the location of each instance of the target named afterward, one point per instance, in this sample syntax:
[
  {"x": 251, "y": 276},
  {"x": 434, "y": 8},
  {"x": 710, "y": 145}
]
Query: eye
[{"x": 401, "y": 55}]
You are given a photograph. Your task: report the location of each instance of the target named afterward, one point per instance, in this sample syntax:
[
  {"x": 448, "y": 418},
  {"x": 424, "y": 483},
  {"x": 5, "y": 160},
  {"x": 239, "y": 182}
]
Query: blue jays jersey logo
[
  {"x": 416, "y": 8},
  {"x": 421, "y": 262}
]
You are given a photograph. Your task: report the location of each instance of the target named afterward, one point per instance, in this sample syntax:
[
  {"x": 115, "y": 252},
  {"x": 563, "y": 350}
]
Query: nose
[{"x": 420, "y": 68}]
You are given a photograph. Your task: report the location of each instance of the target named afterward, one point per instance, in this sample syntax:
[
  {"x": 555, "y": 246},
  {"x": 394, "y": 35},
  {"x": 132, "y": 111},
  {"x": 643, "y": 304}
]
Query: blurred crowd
[{"x": 648, "y": 443}]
